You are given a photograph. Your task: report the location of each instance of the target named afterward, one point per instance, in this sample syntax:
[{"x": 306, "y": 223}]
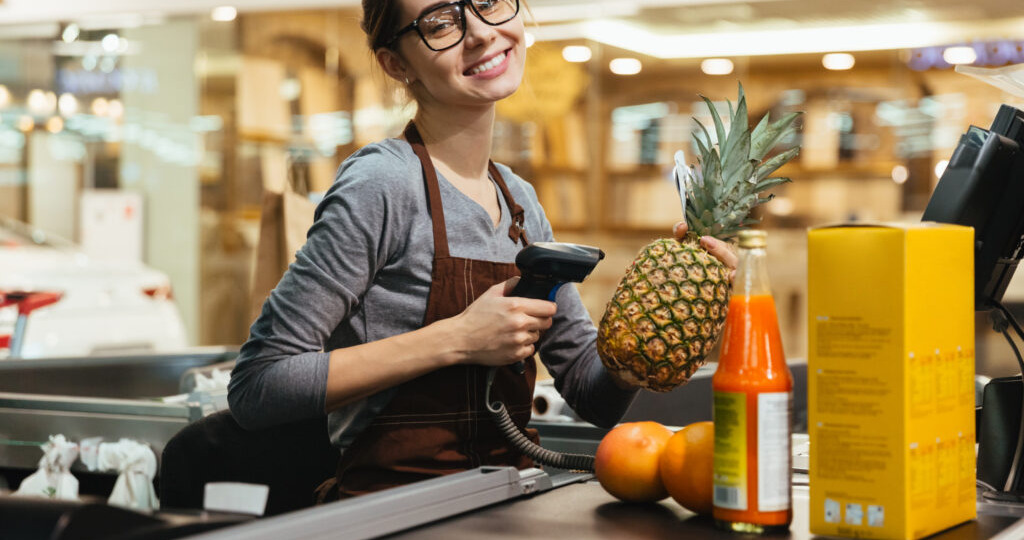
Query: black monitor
[{"x": 983, "y": 187}]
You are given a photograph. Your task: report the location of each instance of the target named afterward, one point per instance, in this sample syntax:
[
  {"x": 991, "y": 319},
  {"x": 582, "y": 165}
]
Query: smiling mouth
[{"x": 490, "y": 64}]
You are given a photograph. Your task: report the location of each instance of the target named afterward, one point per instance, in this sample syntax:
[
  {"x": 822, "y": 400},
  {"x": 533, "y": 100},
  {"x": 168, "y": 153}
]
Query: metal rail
[{"x": 401, "y": 508}]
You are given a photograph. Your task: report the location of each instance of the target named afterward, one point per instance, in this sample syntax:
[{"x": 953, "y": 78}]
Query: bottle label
[
  {"x": 730, "y": 458},
  {"x": 773, "y": 451}
]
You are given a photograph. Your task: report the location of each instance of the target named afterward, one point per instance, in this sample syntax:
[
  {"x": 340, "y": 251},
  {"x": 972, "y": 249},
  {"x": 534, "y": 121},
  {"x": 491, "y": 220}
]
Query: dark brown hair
[{"x": 380, "y": 21}]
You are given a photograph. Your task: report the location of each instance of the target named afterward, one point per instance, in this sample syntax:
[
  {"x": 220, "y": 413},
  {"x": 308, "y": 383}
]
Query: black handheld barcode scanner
[{"x": 545, "y": 267}]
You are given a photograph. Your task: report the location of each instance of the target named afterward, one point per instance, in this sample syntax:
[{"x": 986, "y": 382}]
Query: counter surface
[{"x": 586, "y": 511}]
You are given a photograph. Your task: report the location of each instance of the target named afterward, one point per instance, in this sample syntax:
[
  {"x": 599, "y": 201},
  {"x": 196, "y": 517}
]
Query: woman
[{"x": 394, "y": 309}]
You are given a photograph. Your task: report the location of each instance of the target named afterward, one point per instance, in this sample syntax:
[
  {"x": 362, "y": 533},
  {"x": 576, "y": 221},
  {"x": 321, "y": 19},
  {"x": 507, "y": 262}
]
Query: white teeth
[{"x": 490, "y": 64}]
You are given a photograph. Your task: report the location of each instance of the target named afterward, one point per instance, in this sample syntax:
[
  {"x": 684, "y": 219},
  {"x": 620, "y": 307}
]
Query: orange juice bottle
[{"x": 752, "y": 390}]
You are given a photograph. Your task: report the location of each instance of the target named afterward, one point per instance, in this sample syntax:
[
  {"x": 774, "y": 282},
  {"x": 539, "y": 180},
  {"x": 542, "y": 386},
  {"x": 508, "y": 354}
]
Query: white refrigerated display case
[{"x": 104, "y": 307}]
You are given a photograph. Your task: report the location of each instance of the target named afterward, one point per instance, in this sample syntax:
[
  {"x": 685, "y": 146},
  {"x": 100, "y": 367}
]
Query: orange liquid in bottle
[{"x": 752, "y": 373}]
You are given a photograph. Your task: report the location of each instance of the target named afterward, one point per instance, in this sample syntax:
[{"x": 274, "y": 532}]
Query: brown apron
[{"x": 438, "y": 423}]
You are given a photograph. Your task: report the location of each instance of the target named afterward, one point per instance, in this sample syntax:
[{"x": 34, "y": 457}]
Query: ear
[{"x": 393, "y": 65}]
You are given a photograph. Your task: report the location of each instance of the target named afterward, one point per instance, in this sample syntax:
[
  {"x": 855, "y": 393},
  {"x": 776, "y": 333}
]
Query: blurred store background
[{"x": 146, "y": 131}]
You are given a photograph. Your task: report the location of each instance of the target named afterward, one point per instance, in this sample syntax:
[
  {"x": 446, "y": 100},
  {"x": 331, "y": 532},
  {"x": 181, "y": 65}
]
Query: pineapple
[{"x": 668, "y": 310}]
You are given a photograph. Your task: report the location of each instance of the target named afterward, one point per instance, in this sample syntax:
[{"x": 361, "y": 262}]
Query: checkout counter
[
  {"x": 148, "y": 398},
  {"x": 128, "y": 397}
]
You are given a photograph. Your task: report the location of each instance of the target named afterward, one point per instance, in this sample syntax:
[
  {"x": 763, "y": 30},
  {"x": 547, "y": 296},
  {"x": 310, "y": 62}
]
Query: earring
[{"x": 407, "y": 80}]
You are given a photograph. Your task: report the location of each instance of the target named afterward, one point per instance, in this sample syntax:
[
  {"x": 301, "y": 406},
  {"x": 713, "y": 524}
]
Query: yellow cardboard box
[{"x": 891, "y": 379}]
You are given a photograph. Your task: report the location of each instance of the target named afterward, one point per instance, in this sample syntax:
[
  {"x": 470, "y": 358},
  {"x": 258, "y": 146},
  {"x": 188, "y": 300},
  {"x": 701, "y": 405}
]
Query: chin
[{"x": 508, "y": 90}]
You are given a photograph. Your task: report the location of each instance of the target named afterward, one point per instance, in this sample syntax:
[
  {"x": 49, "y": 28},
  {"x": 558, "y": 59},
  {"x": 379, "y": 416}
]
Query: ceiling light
[
  {"x": 115, "y": 109},
  {"x": 108, "y": 64},
  {"x": 70, "y": 33},
  {"x": 574, "y": 11},
  {"x": 900, "y": 174},
  {"x": 959, "y": 55},
  {"x": 100, "y": 106},
  {"x": 576, "y": 53},
  {"x": 940, "y": 167},
  {"x": 789, "y": 39},
  {"x": 5, "y": 96},
  {"x": 838, "y": 61},
  {"x": 89, "y": 62},
  {"x": 55, "y": 124},
  {"x": 289, "y": 89},
  {"x": 530, "y": 39},
  {"x": 782, "y": 206},
  {"x": 67, "y": 104},
  {"x": 625, "y": 66},
  {"x": 224, "y": 14},
  {"x": 110, "y": 43},
  {"x": 41, "y": 103},
  {"x": 716, "y": 66},
  {"x": 26, "y": 123}
]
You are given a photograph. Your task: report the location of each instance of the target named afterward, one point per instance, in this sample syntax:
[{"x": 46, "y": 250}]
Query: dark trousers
[{"x": 293, "y": 459}]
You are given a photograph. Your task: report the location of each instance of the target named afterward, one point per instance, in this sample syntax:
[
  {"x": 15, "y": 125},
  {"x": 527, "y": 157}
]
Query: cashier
[{"x": 395, "y": 308}]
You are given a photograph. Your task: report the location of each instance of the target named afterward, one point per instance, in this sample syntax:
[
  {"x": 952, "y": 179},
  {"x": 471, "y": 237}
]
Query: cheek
[{"x": 520, "y": 56}]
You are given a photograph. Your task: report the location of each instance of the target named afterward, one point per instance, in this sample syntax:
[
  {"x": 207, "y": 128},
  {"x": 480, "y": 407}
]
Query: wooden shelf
[{"x": 866, "y": 170}]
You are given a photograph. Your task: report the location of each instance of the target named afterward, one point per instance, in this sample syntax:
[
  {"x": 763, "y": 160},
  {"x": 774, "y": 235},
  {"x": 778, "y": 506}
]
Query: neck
[{"x": 457, "y": 138}]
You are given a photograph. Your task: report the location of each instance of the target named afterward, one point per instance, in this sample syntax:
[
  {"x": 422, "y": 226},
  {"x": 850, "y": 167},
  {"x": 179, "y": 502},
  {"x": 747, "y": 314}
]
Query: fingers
[
  {"x": 497, "y": 289},
  {"x": 525, "y": 351},
  {"x": 510, "y": 285},
  {"x": 679, "y": 230},
  {"x": 534, "y": 307},
  {"x": 527, "y": 342},
  {"x": 526, "y": 323},
  {"x": 528, "y": 337},
  {"x": 720, "y": 250}
]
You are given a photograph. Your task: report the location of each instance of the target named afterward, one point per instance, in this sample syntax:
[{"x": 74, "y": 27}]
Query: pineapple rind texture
[{"x": 665, "y": 315}]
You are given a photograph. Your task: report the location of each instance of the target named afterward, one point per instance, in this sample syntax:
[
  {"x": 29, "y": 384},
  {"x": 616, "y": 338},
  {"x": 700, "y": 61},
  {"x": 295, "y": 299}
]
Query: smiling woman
[{"x": 394, "y": 311}]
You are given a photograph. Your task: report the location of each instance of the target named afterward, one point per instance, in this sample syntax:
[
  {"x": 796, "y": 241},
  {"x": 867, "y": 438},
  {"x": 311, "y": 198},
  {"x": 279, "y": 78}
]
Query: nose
[{"x": 477, "y": 31}]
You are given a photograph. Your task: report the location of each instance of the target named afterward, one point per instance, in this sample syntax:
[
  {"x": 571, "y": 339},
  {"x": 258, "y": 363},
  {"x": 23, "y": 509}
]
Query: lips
[{"x": 487, "y": 65}]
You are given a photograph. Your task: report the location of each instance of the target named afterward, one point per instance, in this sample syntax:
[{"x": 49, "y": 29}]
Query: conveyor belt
[{"x": 586, "y": 511}]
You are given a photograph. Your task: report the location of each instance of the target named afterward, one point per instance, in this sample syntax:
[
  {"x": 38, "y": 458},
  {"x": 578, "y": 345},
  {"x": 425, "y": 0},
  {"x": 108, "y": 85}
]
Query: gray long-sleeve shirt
[{"x": 364, "y": 275}]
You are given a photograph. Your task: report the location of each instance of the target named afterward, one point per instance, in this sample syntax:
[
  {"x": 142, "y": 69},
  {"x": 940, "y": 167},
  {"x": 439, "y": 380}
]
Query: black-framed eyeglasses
[{"x": 444, "y": 26}]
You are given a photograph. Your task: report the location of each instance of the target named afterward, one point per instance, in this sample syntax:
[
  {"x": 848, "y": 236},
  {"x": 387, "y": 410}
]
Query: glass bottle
[{"x": 753, "y": 394}]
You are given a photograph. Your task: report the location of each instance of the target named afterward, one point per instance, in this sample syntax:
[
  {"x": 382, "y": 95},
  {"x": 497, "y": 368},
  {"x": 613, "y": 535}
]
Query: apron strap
[
  {"x": 515, "y": 231},
  {"x": 433, "y": 191}
]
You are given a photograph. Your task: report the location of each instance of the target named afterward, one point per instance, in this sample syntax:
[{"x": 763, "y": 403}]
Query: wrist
[{"x": 448, "y": 341}]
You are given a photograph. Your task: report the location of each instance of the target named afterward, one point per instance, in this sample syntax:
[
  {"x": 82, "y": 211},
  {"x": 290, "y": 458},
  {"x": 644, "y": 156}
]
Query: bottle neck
[{"x": 751, "y": 273}]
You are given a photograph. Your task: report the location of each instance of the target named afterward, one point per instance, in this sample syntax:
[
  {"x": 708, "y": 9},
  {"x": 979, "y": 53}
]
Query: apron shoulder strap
[
  {"x": 515, "y": 231},
  {"x": 433, "y": 191}
]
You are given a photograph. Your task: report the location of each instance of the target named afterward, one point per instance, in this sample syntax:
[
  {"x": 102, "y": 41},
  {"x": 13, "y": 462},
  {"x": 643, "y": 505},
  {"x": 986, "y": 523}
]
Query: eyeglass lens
[{"x": 444, "y": 26}]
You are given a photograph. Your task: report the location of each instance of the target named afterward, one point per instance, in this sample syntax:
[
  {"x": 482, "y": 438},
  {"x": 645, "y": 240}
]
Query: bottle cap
[{"x": 753, "y": 239}]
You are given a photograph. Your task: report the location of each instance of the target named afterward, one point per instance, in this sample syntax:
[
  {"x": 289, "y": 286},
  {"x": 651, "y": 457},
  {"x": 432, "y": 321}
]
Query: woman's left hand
[{"x": 719, "y": 249}]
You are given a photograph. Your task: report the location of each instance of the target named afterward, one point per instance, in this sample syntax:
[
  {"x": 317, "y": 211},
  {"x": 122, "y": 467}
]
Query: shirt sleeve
[
  {"x": 569, "y": 348},
  {"x": 281, "y": 371}
]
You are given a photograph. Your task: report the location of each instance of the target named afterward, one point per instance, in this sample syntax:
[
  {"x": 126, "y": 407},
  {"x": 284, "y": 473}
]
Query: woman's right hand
[{"x": 496, "y": 330}]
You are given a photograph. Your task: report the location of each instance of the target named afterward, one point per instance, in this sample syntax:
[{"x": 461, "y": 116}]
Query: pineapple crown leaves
[{"x": 733, "y": 175}]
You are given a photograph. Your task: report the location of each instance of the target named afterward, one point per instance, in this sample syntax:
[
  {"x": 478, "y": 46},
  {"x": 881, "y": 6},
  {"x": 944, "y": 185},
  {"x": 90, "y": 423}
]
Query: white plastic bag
[
  {"x": 1009, "y": 79},
  {"x": 53, "y": 479},
  {"x": 218, "y": 380},
  {"x": 89, "y": 452},
  {"x": 136, "y": 465}
]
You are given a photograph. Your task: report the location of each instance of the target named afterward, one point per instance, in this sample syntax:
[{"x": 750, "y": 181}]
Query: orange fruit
[
  {"x": 626, "y": 463},
  {"x": 686, "y": 466}
]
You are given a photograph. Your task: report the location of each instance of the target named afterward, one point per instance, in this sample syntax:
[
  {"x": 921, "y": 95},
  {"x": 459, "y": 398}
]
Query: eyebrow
[{"x": 435, "y": 5}]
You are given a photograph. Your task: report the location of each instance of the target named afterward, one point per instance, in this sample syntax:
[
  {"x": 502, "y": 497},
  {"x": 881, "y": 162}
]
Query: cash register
[{"x": 983, "y": 187}]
